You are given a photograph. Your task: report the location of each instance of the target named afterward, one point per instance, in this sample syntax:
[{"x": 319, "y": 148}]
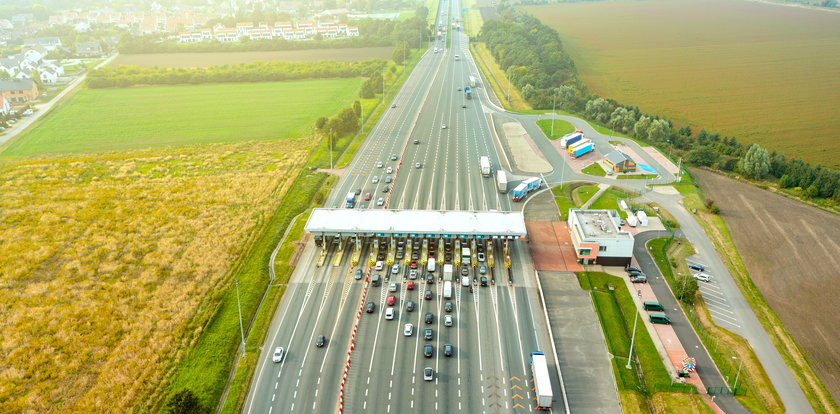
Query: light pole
[
  {"x": 670, "y": 147},
  {"x": 508, "y": 93},
  {"x": 553, "y": 114},
  {"x": 241, "y": 329},
  {"x": 632, "y": 340},
  {"x": 330, "y": 138},
  {"x": 740, "y": 363}
]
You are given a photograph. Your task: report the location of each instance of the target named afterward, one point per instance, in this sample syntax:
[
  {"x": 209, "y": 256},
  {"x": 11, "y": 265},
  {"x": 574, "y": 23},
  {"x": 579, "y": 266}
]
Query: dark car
[
  {"x": 384, "y": 188},
  {"x": 358, "y": 275},
  {"x": 320, "y": 341},
  {"x": 484, "y": 281},
  {"x": 449, "y": 307},
  {"x": 697, "y": 267},
  {"x": 632, "y": 269},
  {"x": 428, "y": 350},
  {"x": 465, "y": 271},
  {"x": 430, "y": 279},
  {"x": 416, "y": 141},
  {"x": 428, "y": 294},
  {"x": 358, "y": 191},
  {"x": 428, "y": 334},
  {"x": 370, "y": 307},
  {"x": 429, "y": 318},
  {"x": 448, "y": 350},
  {"x": 409, "y": 306}
]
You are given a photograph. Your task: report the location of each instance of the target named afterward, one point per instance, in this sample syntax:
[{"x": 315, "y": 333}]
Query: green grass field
[
  {"x": 149, "y": 117},
  {"x": 594, "y": 169},
  {"x": 200, "y": 60},
  {"x": 561, "y": 128},
  {"x": 763, "y": 73}
]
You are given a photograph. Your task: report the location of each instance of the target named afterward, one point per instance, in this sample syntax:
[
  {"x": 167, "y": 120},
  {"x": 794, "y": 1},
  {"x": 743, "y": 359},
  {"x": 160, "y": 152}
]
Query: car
[
  {"x": 384, "y": 188},
  {"x": 632, "y": 273},
  {"x": 412, "y": 274},
  {"x": 703, "y": 277},
  {"x": 375, "y": 180},
  {"x": 387, "y": 179},
  {"x": 465, "y": 271},
  {"x": 379, "y": 265},
  {"x": 278, "y": 354},
  {"x": 429, "y": 318},
  {"x": 358, "y": 191},
  {"x": 416, "y": 141},
  {"x": 393, "y": 105},
  {"x": 629, "y": 269},
  {"x": 641, "y": 278},
  {"x": 367, "y": 196},
  {"x": 399, "y": 253},
  {"x": 430, "y": 279},
  {"x": 413, "y": 264},
  {"x": 428, "y": 294},
  {"x": 393, "y": 157},
  {"x": 320, "y": 341},
  {"x": 480, "y": 256},
  {"x": 447, "y": 320},
  {"x": 392, "y": 287},
  {"x": 381, "y": 258},
  {"x": 409, "y": 306},
  {"x": 459, "y": 89},
  {"x": 410, "y": 285},
  {"x": 442, "y": 126},
  {"x": 389, "y": 313},
  {"x": 449, "y": 307},
  {"x": 415, "y": 255},
  {"x": 391, "y": 300},
  {"x": 483, "y": 281},
  {"x": 418, "y": 165},
  {"x": 27, "y": 112},
  {"x": 427, "y": 333},
  {"x": 380, "y": 164},
  {"x": 428, "y": 372},
  {"x": 448, "y": 350},
  {"x": 697, "y": 267},
  {"x": 358, "y": 275},
  {"x": 389, "y": 170},
  {"x": 465, "y": 281},
  {"x": 380, "y": 201},
  {"x": 482, "y": 269},
  {"x": 408, "y": 330},
  {"x": 428, "y": 350},
  {"x": 395, "y": 269},
  {"x": 370, "y": 307},
  {"x": 463, "y": 105}
]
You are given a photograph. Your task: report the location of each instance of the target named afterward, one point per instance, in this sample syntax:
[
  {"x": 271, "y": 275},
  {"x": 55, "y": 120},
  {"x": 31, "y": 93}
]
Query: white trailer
[
  {"x": 542, "y": 383},
  {"x": 643, "y": 218},
  {"x": 484, "y": 163},
  {"x": 632, "y": 221},
  {"x": 465, "y": 256},
  {"x": 447, "y": 289},
  {"x": 447, "y": 272},
  {"x": 501, "y": 181}
]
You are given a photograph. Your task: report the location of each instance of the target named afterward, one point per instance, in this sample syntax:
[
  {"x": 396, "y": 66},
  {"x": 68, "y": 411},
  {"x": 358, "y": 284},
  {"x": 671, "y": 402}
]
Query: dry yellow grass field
[
  {"x": 761, "y": 72},
  {"x": 107, "y": 257}
]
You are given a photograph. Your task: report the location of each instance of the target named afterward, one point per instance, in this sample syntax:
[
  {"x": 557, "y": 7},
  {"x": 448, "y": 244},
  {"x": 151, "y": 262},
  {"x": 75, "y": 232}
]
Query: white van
[{"x": 430, "y": 267}]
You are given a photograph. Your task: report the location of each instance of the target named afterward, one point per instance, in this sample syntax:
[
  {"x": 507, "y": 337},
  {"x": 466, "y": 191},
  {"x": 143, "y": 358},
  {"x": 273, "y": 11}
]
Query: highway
[{"x": 495, "y": 327}]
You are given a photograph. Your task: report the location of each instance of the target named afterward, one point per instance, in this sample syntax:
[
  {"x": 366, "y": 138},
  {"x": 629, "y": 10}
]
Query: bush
[{"x": 184, "y": 402}]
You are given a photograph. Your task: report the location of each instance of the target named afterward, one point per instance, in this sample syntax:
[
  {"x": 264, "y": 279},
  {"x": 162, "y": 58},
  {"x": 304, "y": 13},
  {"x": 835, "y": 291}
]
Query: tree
[
  {"x": 183, "y": 402},
  {"x": 599, "y": 109},
  {"x": 659, "y": 130},
  {"x": 755, "y": 163},
  {"x": 321, "y": 122},
  {"x": 422, "y": 12},
  {"x": 641, "y": 127},
  {"x": 357, "y": 108},
  {"x": 685, "y": 288},
  {"x": 399, "y": 53},
  {"x": 703, "y": 156},
  {"x": 622, "y": 119}
]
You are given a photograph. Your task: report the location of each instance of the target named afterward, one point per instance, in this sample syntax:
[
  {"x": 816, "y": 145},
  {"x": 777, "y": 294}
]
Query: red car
[
  {"x": 391, "y": 300},
  {"x": 413, "y": 264},
  {"x": 367, "y": 196},
  {"x": 410, "y": 285}
]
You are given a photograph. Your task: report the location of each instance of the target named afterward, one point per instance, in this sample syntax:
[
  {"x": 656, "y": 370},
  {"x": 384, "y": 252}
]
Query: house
[
  {"x": 34, "y": 54},
  {"x": 244, "y": 28},
  {"x": 48, "y": 75},
  {"x": 598, "y": 239},
  {"x": 260, "y": 34},
  {"x": 53, "y": 65},
  {"x": 18, "y": 91},
  {"x": 88, "y": 49},
  {"x": 619, "y": 162},
  {"x": 352, "y": 30},
  {"x": 10, "y": 65},
  {"x": 225, "y": 34},
  {"x": 49, "y": 43},
  {"x": 5, "y": 106}
]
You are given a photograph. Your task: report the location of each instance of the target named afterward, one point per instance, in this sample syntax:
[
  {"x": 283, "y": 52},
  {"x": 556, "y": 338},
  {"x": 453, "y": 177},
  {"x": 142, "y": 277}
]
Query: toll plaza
[{"x": 416, "y": 237}]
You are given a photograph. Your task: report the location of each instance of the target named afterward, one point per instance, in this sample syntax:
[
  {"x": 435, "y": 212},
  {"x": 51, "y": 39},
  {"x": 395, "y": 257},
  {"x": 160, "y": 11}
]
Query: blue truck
[
  {"x": 581, "y": 149},
  {"x": 570, "y": 139},
  {"x": 468, "y": 92},
  {"x": 524, "y": 188},
  {"x": 350, "y": 201}
]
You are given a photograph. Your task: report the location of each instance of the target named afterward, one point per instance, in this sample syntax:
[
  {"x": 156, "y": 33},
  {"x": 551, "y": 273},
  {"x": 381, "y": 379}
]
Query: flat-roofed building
[{"x": 598, "y": 238}]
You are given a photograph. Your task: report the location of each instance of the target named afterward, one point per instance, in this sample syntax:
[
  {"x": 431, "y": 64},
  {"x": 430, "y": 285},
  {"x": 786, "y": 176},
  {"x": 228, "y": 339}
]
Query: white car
[
  {"x": 380, "y": 164},
  {"x": 375, "y": 180},
  {"x": 393, "y": 286},
  {"x": 447, "y": 320},
  {"x": 389, "y": 170},
  {"x": 703, "y": 277},
  {"x": 395, "y": 269},
  {"x": 480, "y": 256},
  {"x": 428, "y": 374},
  {"x": 278, "y": 354},
  {"x": 465, "y": 281},
  {"x": 380, "y": 201},
  {"x": 409, "y": 329},
  {"x": 418, "y": 165},
  {"x": 379, "y": 265},
  {"x": 442, "y": 126},
  {"x": 389, "y": 313}
]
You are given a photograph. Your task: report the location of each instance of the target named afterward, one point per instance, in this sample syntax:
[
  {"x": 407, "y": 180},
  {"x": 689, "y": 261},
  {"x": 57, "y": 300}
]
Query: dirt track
[{"x": 792, "y": 252}]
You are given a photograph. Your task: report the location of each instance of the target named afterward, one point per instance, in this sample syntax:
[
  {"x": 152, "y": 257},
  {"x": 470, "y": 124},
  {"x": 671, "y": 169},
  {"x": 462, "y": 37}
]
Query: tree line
[
  {"x": 125, "y": 76},
  {"x": 532, "y": 56}
]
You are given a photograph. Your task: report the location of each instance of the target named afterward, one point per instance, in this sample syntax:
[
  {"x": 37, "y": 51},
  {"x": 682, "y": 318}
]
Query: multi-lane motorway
[{"x": 495, "y": 327}]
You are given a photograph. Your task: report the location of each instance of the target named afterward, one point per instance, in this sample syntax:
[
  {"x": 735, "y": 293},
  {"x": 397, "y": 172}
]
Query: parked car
[
  {"x": 632, "y": 269},
  {"x": 375, "y": 180},
  {"x": 697, "y": 267},
  {"x": 703, "y": 277},
  {"x": 367, "y": 196}
]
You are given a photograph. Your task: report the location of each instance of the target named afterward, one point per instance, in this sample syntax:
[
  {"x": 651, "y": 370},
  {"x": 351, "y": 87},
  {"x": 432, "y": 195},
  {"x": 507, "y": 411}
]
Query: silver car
[{"x": 375, "y": 180}]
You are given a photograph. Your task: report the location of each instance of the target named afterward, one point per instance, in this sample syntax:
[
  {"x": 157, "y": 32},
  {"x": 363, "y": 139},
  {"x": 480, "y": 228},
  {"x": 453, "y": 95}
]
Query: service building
[{"x": 598, "y": 238}]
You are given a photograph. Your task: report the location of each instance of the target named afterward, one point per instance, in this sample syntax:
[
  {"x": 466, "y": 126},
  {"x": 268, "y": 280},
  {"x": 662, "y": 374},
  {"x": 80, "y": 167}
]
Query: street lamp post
[
  {"x": 241, "y": 329},
  {"x": 632, "y": 340},
  {"x": 740, "y": 363},
  {"x": 330, "y": 138},
  {"x": 553, "y": 114}
]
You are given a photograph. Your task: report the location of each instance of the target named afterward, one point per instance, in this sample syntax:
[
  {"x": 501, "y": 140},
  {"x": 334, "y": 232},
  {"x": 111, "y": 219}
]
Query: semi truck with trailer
[
  {"x": 350, "y": 200},
  {"x": 484, "y": 163},
  {"x": 570, "y": 139},
  {"x": 447, "y": 289},
  {"x": 581, "y": 142},
  {"x": 579, "y": 150},
  {"x": 468, "y": 92},
  {"x": 542, "y": 382},
  {"x": 524, "y": 188},
  {"x": 501, "y": 181}
]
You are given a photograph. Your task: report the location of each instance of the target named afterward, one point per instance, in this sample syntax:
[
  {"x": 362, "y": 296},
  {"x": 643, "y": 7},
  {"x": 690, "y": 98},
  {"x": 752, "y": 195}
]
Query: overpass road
[{"x": 495, "y": 327}]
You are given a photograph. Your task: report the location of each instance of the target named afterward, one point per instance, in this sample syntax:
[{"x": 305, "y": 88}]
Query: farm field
[
  {"x": 153, "y": 117},
  {"x": 109, "y": 257},
  {"x": 761, "y": 72},
  {"x": 792, "y": 253},
  {"x": 185, "y": 60}
]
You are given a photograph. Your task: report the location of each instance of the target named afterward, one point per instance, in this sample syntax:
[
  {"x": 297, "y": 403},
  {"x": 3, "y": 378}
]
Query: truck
[
  {"x": 571, "y": 148},
  {"x": 468, "y": 92},
  {"x": 501, "y": 181},
  {"x": 484, "y": 163},
  {"x": 542, "y": 383},
  {"x": 524, "y": 188},
  {"x": 447, "y": 272},
  {"x": 350, "y": 200},
  {"x": 582, "y": 149},
  {"x": 473, "y": 81},
  {"x": 465, "y": 256},
  {"x": 447, "y": 289},
  {"x": 571, "y": 138}
]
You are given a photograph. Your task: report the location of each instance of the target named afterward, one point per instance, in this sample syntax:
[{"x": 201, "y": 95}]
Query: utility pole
[
  {"x": 632, "y": 340},
  {"x": 241, "y": 329},
  {"x": 331, "y": 161},
  {"x": 553, "y": 114},
  {"x": 508, "y": 94},
  {"x": 741, "y": 363}
]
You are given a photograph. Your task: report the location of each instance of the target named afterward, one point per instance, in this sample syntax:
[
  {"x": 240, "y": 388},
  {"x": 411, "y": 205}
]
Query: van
[
  {"x": 654, "y": 306},
  {"x": 430, "y": 267},
  {"x": 658, "y": 318},
  {"x": 375, "y": 280}
]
